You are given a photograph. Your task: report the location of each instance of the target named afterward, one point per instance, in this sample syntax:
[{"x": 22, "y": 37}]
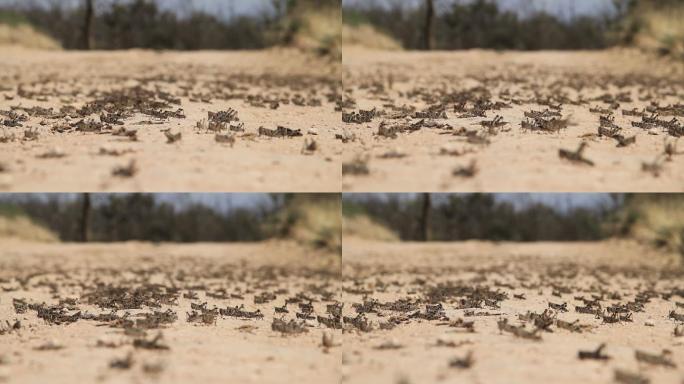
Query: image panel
[
  {"x": 172, "y": 288},
  {"x": 513, "y": 288},
  {"x": 513, "y": 96},
  {"x": 170, "y": 96}
]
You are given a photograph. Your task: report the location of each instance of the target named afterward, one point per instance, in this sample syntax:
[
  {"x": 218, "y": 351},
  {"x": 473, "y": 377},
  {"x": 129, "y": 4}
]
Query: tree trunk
[
  {"x": 429, "y": 19},
  {"x": 87, "y": 32},
  {"x": 85, "y": 218},
  {"x": 425, "y": 218}
]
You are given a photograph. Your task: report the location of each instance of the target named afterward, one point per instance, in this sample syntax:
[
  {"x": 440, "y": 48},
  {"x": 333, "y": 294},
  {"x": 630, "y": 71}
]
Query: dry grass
[
  {"x": 663, "y": 32},
  {"x": 313, "y": 220},
  {"x": 654, "y": 219},
  {"x": 657, "y": 29},
  {"x": 366, "y": 36},
  {"x": 320, "y": 31},
  {"x": 364, "y": 227},
  {"x": 19, "y": 227},
  {"x": 25, "y": 36},
  {"x": 315, "y": 29}
]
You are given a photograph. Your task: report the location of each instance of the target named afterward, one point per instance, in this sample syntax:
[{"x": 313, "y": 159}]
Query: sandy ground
[
  {"x": 148, "y": 88},
  {"x": 403, "y": 342},
  {"x": 429, "y": 156},
  {"x": 225, "y": 349}
]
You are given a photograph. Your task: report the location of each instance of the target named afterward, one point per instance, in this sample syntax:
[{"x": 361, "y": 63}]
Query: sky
[
  {"x": 562, "y": 202},
  {"x": 227, "y": 201},
  {"x": 224, "y": 8},
  {"x": 560, "y": 8},
  {"x": 228, "y": 8},
  {"x": 222, "y": 202}
]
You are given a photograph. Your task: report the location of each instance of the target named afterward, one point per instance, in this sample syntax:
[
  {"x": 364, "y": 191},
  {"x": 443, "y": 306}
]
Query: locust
[
  {"x": 126, "y": 171},
  {"x": 624, "y": 141},
  {"x": 223, "y": 116},
  {"x": 122, "y": 363},
  {"x": 205, "y": 316},
  {"x": 388, "y": 345},
  {"x": 608, "y": 121},
  {"x": 678, "y": 331},
  {"x": 676, "y": 316},
  {"x": 359, "y": 117},
  {"x": 498, "y": 121},
  {"x": 521, "y": 332},
  {"x": 239, "y": 312},
  {"x": 600, "y": 110},
  {"x": 359, "y": 322},
  {"x": 670, "y": 150},
  {"x": 155, "y": 343},
  {"x": 357, "y": 167},
  {"x": 280, "y": 131},
  {"x": 462, "y": 362},
  {"x": 625, "y": 377},
  {"x": 310, "y": 146},
  {"x": 576, "y": 156},
  {"x": 172, "y": 137},
  {"x": 469, "y": 170},
  {"x": 477, "y": 138},
  {"x": 227, "y": 138},
  {"x": 10, "y": 327},
  {"x": 545, "y": 114},
  {"x": 559, "y": 307},
  {"x": 652, "y": 359},
  {"x": 288, "y": 328},
  {"x": 346, "y": 136},
  {"x": 541, "y": 321},
  {"x": 633, "y": 112},
  {"x": 655, "y": 168},
  {"x": 546, "y": 125},
  {"x": 570, "y": 326},
  {"x": 468, "y": 326},
  {"x": 437, "y": 111},
  {"x": 594, "y": 355}
]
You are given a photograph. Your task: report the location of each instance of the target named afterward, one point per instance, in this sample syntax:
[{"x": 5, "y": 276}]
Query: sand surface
[
  {"x": 224, "y": 349},
  {"x": 436, "y": 155},
  {"x": 476, "y": 282},
  {"x": 48, "y": 91}
]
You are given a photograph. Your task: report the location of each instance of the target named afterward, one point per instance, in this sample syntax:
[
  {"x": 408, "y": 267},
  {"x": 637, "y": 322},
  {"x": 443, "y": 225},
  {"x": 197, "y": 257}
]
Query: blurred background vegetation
[
  {"x": 311, "y": 219},
  {"x": 316, "y": 220},
  {"x": 312, "y": 25},
  {"x": 654, "y": 25},
  {"x": 656, "y": 219}
]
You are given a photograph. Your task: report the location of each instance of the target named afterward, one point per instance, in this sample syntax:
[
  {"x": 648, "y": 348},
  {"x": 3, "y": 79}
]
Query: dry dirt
[
  {"x": 425, "y": 337},
  {"x": 426, "y": 98},
  {"x": 88, "y": 290},
  {"x": 61, "y": 96}
]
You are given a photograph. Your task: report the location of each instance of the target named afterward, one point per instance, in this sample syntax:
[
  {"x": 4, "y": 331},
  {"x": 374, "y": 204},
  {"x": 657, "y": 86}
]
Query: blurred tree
[
  {"x": 119, "y": 24},
  {"x": 142, "y": 217},
  {"x": 481, "y": 216},
  {"x": 622, "y": 7},
  {"x": 425, "y": 217},
  {"x": 480, "y": 24},
  {"x": 85, "y": 218},
  {"x": 428, "y": 28},
  {"x": 280, "y": 8},
  {"x": 87, "y": 32}
]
